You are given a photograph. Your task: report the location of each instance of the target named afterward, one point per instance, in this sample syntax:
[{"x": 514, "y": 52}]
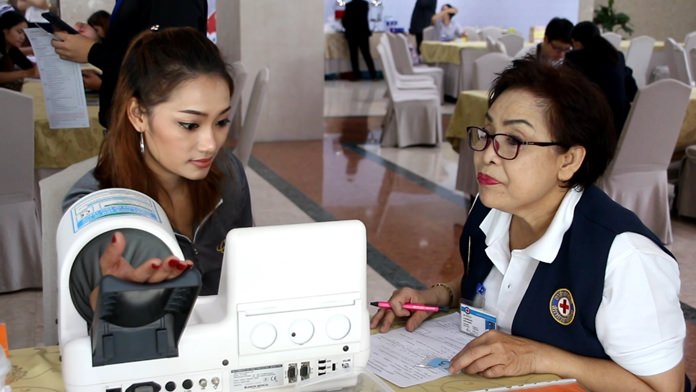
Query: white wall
[{"x": 505, "y": 13}]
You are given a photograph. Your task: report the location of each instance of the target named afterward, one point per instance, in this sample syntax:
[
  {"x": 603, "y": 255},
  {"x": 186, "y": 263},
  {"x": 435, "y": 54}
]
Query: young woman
[
  {"x": 170, "y": 120},
  {"x": 579, "y": 286},
  {"x": 14, "y": 66}
]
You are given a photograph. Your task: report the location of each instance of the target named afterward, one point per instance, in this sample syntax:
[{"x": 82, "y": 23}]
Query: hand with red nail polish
[{"x": 154, "y": 270}]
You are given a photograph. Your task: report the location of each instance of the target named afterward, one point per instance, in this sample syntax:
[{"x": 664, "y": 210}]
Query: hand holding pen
[{"x": 398, "y": 305}]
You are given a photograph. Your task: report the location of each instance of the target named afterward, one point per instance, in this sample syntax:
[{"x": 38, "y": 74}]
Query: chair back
[
  {"x": 513, "y": 43},
  {"x": 402, "y": 56},
  {"x": 690, "y": 43},
  {"x": 472, "y": 33},
  {"x": 494, "y": 46},
  {"x": 488, "y": 67},
  {"x": 430, "y": 34},
  {"x": 652, "y": 128},
  {"x": 17, "y": 147},
  {"x": 53, "y": 190},
  {"x": 494, "y": 32},
  {"x": 613, "y": 38},
  {"x": 638, "y": 58},
  {"x": 253, "y": 113},
  {"x": 239, "y": 76},
  {"x": 692, "y": 65},
  {"x": 678, "y": 64}
]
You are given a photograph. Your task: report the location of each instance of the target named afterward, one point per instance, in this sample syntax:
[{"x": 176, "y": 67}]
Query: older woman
[{"x": 579, "y": 286}]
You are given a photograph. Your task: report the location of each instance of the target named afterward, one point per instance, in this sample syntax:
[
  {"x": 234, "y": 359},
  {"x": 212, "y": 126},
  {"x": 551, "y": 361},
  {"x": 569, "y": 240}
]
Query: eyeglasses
[{"x": 505, "y": 146}]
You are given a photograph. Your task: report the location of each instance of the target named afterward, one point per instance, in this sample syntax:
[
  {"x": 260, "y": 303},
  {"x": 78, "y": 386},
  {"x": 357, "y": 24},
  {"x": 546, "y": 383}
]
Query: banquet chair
[
  {"x": 413, "y": 116},
  {"x": 20, "y": 267},
  {"x": 430, "y": 34},
  {"x": 488, "y": 67},
  {"x": 691, "y": 56},
  {"x": 402, "y": 61},
  {"x": 53, "y": 189},
  {"x": 409, "y": 82},
  {"x": 678, "y": 63},
  {"x": 251, "y": 118},
  {"x": 613, "y": 38},
  {"x": 637, "y": 176},
  {"x": 686, "y": 191},
  {"x": 513, "y": 43},
  {"x": 638, "y": 58},
  {"x": 690, "y": 42},
  {"x": 239, "y": 76},
  {"x": 472, "y": 33},
  {"x": 494, "y": 32}
]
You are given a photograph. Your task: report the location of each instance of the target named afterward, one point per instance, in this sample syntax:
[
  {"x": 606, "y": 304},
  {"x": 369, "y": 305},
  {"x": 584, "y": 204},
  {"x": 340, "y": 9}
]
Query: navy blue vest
[{"x": 579, "y": 267}]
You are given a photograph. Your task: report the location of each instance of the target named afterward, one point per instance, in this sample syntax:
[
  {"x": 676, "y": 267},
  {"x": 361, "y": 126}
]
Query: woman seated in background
[
  {"x": 605, "y": 66},
  {"x": 170, "y": 120},
  {"x": 100, "y": 23},
  {"x": 95, "y": 29},
  {"x": 14, "y": 65},
  {"x": 579, "y": 286},
  {"x": 447, "y": 29}
]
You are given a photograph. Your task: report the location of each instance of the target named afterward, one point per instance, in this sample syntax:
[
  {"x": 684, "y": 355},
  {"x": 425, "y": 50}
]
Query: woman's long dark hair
[
  {"x": 13, "y": 56},
  {"x": 592, "y": 41},
  {"x": 9, "y": 20}
]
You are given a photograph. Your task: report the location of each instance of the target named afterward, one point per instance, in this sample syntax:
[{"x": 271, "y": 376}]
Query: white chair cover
[
  {"x": 491, "y": 31},
  {"x": 686, "y": 196},
  {"x": 466, "y": 172},
  {"x": 678, "y": 63},
  {"x": 413, "y": 116},
  {"x": 239, "y": 75},
  {"x": 613, "y": 38},
  {"x": 690, "y": 42},
  {"x": 53, "y": 190},
  {"x": 408, "y": 82},
  {"x": 402, "y": 60},
  {"x": 488, "y": 67},
  {"x": 20, "y": 265},
  {"x": 251, "y": 119},
  {"x": 513, "y": 43},
  {"x": 637, "y": 176},
  {"x": 472, "y": 33},
  {"x": 638, "y": 58},
  {"x": 691, "y": 56},
  {"x": 430, "y": 34}
]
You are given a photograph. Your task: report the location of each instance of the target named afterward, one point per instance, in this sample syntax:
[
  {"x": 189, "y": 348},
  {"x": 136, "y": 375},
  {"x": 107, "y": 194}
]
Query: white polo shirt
[{"x": 639, "y": 322}]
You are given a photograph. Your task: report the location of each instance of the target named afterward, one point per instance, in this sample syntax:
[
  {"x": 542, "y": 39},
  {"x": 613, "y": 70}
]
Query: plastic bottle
[{"x": 5, "y": 367}]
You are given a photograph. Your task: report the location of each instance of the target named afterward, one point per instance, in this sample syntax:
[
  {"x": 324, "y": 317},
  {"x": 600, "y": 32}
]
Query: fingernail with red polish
[
  {"x": 181, "y": 266},
  {"x": 155, "y": 266},
  {"x": 174, "y": 263},
  {"x": 113, "y": 238}
]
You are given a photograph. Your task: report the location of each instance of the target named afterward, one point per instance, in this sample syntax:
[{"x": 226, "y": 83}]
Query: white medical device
[{"x": 291, "y": 305}]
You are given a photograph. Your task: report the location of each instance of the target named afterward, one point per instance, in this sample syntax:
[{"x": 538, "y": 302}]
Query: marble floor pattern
[{"x": 405, "y": 197}]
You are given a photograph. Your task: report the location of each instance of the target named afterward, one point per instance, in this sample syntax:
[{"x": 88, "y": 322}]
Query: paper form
[
  {"x": 63, "y": 89},
  {"x": 397, "y": 354}
]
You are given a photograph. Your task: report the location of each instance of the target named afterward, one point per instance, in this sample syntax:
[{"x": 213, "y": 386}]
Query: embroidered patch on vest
[
  {"x": 562, "y": 306},
  {"x": 221, "y": 247}
]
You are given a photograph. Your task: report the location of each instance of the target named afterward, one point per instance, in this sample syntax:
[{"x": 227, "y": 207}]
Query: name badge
[{"x": 475, "y": 321}]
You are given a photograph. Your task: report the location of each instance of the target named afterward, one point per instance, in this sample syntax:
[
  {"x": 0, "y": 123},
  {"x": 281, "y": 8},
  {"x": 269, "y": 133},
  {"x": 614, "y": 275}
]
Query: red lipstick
[{"x": 484, "y": 179}]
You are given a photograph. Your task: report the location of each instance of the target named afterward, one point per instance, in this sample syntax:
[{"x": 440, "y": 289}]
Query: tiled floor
[{"x": 405, "y": 197}]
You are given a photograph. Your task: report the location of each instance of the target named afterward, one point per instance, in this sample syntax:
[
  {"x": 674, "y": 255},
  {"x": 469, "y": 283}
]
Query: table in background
[
  {"x": 39, "y": 369},
  {"x": 472, "y": 106},
  {"x": 60, "y": 148},
  {"x": 456, "y": 58}
]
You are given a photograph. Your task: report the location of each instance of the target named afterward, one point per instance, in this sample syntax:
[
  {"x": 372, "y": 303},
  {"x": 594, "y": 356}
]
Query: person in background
[
  {"x": 100, "y": 23},
  {"x": 358, "y": 35},
  {"x": 447, "y": 29},
  {"x": 555, "y": 45},
  {"x": 14, "y": 65},
  {"x": 129, "y": 18},
  {"x": 579, "y": 286},
  {"x": 170, "y": 121},
  {"x": 602, "y": 64},
  {"x": 423, "y": 12}
]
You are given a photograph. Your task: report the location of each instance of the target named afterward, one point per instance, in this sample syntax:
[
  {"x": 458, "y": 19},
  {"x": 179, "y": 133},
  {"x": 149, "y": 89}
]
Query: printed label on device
[
  {"x": 256, "y": 378},
  {"x": 475, "y": 321}
]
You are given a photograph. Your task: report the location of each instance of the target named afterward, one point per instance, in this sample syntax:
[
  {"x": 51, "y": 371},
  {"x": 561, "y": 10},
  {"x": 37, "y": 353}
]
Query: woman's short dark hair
[
  {"x": 100, "y": 18},
  {"x": 577, "y": 112}
]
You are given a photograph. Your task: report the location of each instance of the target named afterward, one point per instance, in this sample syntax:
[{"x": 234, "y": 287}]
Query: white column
[{"x": 288, "y": 37}]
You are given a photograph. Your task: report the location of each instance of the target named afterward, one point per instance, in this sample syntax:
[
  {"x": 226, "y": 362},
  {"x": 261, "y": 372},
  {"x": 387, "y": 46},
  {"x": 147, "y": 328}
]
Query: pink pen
[{"x": 416, "y": 307}]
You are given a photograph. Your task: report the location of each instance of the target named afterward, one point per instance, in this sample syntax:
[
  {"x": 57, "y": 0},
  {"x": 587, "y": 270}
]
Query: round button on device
[
  {"x": 301, "y": 331},
  {"x": 263, "y": 335},
  {"x": 338, "y": 327}
]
